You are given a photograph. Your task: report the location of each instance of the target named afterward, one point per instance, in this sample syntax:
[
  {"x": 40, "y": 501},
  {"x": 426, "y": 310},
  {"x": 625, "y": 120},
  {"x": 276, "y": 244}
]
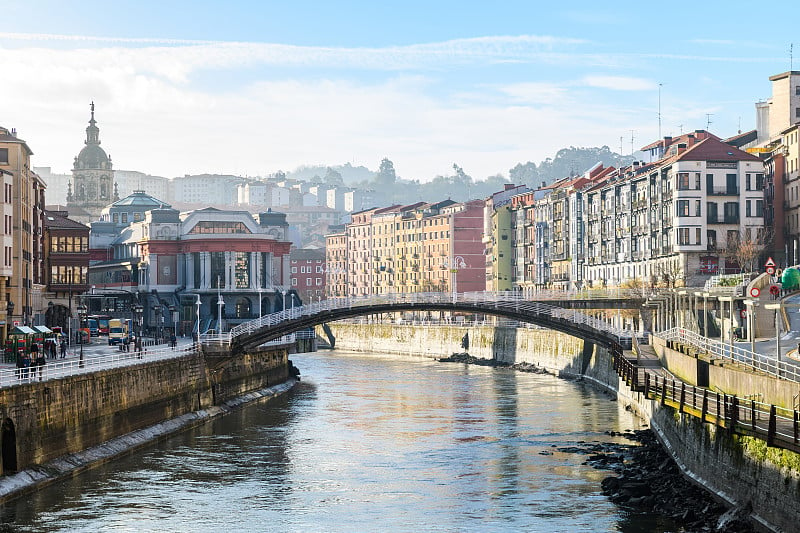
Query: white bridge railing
[{"x": 505, "y": 300}]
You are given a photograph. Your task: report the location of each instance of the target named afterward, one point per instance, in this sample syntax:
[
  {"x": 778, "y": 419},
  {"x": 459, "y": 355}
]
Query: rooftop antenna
[
  {"x": 631, "y": 142},
  {"x": 681, "y": 128},
  {"x": 659, "y": 110},
  {"x": 708, "y": 121},
  {"x": 620, "y": 144},
  {"x": 740, "y": 124}
]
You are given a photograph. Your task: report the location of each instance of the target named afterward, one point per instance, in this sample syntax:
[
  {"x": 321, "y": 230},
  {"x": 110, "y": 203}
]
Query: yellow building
[{"x": 21, "y": 279}]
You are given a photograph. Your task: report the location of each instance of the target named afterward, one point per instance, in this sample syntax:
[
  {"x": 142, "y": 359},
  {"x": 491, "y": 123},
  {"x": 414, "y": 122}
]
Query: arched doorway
[
  {"x": 8, "y": 441},
  {"x": 57, "y": 315},
  {"x": 243, "y": 308},
  {"x": 266, "y": 306}
]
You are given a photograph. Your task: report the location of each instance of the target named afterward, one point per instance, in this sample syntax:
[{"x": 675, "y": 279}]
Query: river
[{"x": 366, "y": 442}]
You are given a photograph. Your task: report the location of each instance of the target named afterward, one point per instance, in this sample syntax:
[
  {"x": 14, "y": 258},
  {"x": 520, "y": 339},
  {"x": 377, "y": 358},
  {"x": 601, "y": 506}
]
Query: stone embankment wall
[
  {"x": 556, "y": 352},
  {"x": 42, "y": 421},
  {"x": 742, "y": 471}
]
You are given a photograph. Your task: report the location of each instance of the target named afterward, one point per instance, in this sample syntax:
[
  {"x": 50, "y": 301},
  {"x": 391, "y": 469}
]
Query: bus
[{"x": 101, "y": 324}]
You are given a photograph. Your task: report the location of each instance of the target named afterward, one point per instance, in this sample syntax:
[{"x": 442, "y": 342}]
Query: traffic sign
[
  {"x": 770, "y": 263},
  {"x": 774, "y": 290},
  {"x": 771, "y": 270},
  {"x": 754, "y": 292},
  {"x": 743, "y": 313}
]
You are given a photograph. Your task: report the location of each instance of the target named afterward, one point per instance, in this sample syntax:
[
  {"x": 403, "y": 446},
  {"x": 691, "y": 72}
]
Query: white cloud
[
  {"x": 155, "y": 117},
  {"x": 619, "y": 83}
]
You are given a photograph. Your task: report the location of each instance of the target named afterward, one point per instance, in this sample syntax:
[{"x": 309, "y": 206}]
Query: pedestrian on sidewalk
[{"x": 63, "y": 348}]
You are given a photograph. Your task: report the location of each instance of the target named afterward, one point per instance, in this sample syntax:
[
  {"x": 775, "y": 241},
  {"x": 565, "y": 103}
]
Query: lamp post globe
[{"x": 82, "y": 309}]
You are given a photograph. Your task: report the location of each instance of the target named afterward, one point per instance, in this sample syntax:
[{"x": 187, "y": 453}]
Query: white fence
[
  {"x": 55, "y": 369},
  {"x": 717, "y": 349}
]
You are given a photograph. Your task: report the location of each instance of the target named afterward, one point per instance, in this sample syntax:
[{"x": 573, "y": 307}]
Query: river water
[{"x": 366, "y": 442}]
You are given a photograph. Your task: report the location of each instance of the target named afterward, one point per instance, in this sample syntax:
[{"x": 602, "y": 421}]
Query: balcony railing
[
  {"x": 722, "y": 219},
  {"x": 724, "y": 191}
]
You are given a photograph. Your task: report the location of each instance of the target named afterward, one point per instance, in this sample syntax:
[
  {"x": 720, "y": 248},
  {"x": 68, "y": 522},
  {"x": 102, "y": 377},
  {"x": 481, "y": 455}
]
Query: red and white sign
[
  {"x": 743, "y": 313},
  {"x": 774, "y": 290},
  {"x": 770, "y": 263},
  {"x": 754, "y": 292},
  {"x": 771, "y": 270}
]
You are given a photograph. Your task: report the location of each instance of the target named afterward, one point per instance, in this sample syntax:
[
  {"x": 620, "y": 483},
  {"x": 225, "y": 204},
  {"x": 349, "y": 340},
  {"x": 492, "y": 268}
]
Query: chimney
[
  {"x": 681, "y": 147},
  {"x": 13, "y": 132},
  {"x": 544, "y": 184}
]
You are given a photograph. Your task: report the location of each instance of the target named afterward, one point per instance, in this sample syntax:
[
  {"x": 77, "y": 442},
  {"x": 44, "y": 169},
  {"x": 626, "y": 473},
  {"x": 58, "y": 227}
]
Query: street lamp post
[
  {"x": 220, "y": 303},
  {"x": 9, "y": 317},
  {"x": 81, "y": 314},
  {"x": 197, "y": 304},
  {"x": 138, "y": 310},
  {"x": 173, "y": 315},
  {"x": 157, "y": 311}
]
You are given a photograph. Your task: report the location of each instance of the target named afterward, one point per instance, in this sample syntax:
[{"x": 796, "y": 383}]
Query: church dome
[{"x": 92, "y": 156}]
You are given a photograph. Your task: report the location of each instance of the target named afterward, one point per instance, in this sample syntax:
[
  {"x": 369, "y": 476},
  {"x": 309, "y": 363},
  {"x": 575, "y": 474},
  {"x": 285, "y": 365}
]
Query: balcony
[
  {"x": 727, "y": 219},
  {"x": 723, "y": 191}
]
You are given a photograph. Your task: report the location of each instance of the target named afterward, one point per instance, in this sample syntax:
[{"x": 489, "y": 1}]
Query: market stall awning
[
  {"x": 21, "y": 330},
  {"x": 42, "y": 329}
]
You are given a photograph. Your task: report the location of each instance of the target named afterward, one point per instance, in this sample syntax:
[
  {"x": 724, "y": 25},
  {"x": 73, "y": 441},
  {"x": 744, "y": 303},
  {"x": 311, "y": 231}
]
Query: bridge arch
[{"x": 250, "y": 335}]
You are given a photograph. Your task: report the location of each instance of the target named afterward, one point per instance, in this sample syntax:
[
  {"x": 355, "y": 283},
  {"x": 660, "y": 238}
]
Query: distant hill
[
  {"x": 387, "y": 188},
  {"x": 567, "y": 162},
  {"x": 350, "y": 174}
]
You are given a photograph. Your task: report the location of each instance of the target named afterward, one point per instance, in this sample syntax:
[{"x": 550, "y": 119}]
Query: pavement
[{"x": 99, "y": 347}]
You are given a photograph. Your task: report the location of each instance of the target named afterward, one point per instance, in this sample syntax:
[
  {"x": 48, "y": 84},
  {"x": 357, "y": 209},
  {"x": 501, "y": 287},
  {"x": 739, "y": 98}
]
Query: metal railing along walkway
[
  {"x": 55, "y": 369},
  {"x": 735, "y": 354},
  {"x": 778, "y": 426}
]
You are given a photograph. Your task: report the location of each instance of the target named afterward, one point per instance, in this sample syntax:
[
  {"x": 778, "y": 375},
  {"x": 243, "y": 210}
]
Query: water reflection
[{"x": 368, "y": 443}]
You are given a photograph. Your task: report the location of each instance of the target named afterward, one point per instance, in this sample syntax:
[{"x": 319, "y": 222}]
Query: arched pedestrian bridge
[{"x": 248, "y": 336}]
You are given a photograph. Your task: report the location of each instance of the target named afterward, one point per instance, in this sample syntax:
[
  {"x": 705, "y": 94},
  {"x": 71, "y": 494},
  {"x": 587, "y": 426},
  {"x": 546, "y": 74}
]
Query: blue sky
[{"x": 250, "y": 88}]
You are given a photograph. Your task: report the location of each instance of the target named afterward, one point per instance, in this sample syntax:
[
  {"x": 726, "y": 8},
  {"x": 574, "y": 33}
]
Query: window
[
  {"x": 683, "y": 236},
  {"x": 698, "y": 235},
  {"x": 124, "y": 218},
  {"x": 294, "y": 282},
  {"x": 308, "y": 282},
  {"x": 683, "y": 208},
  {"x": 697, "y": 208},
  {"x": 294, "y": 270},
  {"x": 759, "y": 208},
  {"x": 747, "y": 208},
  {"x": 319, "y": 282},
  {"x": 242, "y": 270},
  {"x": 683, "y": 181},
  {"x": 4, "y": 155},
  {"x": 797, "y": 112}
]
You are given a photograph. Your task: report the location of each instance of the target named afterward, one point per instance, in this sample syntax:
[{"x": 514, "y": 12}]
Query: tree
[
  {"x": 332, "y": 177},
  {"x": 744, "y": 248},
  {"x": 527, "y": 173},
  {"x": 386, "y": 174}
]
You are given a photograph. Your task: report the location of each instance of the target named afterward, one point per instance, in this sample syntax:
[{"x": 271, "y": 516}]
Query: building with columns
[{"x": 170, "y": 261}]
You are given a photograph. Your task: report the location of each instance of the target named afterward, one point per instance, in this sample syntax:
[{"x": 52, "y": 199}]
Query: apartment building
[
  {"x": 22, "y": 267},
  {"x": 421, "y": 247}
]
